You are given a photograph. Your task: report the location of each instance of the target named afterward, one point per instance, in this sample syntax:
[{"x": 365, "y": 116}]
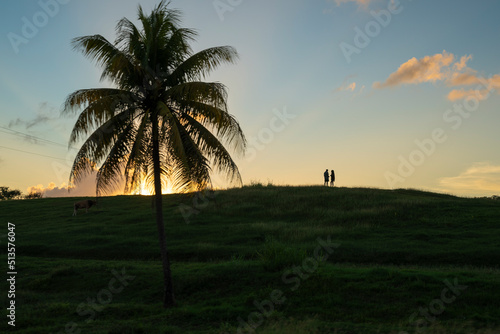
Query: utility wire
[
  {"x": 28, "y": 136},
  {"x": 25, "y": 135},
  {"x": 41, "y": 155}
]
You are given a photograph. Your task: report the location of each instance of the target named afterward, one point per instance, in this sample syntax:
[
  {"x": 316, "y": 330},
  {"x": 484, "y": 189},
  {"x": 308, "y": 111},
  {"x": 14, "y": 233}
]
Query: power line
[
  {"x": 25, "y": 135},
  {"x": 41, "y": 155}
]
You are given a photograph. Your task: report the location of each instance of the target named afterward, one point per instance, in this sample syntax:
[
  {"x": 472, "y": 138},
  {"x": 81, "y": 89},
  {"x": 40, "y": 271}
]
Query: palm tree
[{"x": 159, "y": 121}]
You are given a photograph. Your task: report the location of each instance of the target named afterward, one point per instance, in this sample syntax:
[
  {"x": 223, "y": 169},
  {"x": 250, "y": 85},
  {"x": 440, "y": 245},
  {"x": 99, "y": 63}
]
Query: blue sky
[{"x": 303, "y": 105}]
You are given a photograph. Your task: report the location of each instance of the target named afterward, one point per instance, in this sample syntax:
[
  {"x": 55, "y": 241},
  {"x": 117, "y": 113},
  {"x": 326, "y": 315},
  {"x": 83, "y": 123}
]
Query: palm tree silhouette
[{"x": 160, "y": 121}]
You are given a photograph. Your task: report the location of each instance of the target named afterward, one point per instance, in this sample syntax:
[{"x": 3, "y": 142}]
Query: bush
[
  {"x": 6, "y": 194},
  {"x": 34, "y": 195}
]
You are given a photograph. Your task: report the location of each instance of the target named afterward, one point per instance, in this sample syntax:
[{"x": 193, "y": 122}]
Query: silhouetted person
[
  {"x": 332, "y": 179},
  {"x": 325, "y": 174}
]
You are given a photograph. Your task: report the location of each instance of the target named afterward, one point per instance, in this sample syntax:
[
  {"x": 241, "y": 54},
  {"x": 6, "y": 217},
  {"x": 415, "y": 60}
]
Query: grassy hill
[{"x": 259, "y": 259}]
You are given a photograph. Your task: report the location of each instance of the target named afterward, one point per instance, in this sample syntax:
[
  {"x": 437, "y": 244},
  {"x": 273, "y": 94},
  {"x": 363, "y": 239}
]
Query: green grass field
[{"x": 258, "y": 259}]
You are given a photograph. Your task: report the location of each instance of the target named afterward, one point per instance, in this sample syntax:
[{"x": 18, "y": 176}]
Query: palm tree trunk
[{"x": 168, "y": 297}]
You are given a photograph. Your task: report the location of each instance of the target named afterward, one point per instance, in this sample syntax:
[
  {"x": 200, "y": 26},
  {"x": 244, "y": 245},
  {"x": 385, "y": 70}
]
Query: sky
[{"x": 390, "y": 94}]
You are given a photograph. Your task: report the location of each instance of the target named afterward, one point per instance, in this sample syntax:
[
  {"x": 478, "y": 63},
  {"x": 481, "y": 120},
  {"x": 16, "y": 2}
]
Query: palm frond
[
  {"x": 175, "y": 51},
  {"x": 210, "y": 93},
  {"x": 213, "y": 149},
  {"x": 127, "y": 32},
  {"x": 110, "y": 173},
  {"x": 192, "y": 165},
  {"x": 83, "y": 97},
  {"x": 95, "y": 148},
  {"x": 199, "y": 65},
  {"x": 225, "y": 125},
  {"x": 102, "y": 106},
  {"x": 139, "y": 156}
]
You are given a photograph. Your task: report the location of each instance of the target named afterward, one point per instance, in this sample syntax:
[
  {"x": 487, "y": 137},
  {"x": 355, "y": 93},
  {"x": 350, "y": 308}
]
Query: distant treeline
[{"x": 7, "y": 194}]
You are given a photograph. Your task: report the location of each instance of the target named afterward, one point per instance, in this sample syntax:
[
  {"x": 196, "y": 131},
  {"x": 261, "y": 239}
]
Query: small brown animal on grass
[{"x": 87, "y": 204}]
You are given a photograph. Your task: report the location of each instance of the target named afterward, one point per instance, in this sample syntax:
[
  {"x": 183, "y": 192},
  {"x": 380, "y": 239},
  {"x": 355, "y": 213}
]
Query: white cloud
[
  {"x": 481, "y": 179},
  {"x": 85, "y": 188}
]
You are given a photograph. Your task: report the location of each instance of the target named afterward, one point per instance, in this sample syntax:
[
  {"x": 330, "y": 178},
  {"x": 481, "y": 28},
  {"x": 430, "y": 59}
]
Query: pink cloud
[
  {"x": 442, "y": 67},
  {"x": 462, "y": 64},
  {"x": 346, "y": 87},
  {"x": 463, "y": 79},
  {"x": 461, "y": 94},
  {"x": 361, "y": 3},
  {"x": 350, "y": 87},
  {"x": 415, "y": 71},
  {"x": 494, "y": 81}
]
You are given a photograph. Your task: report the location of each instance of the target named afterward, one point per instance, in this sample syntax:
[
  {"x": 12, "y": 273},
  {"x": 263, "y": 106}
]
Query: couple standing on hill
[{"x": 332, "y": 178}]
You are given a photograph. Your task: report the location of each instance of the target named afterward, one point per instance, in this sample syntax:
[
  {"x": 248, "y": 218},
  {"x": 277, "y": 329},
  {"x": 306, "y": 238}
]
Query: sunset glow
[{"x": 148, "y": 190}]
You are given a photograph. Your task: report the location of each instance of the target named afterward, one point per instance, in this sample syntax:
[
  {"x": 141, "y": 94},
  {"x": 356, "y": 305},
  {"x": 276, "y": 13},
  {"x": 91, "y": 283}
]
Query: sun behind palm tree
[{"x": 160, "y": 121}]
